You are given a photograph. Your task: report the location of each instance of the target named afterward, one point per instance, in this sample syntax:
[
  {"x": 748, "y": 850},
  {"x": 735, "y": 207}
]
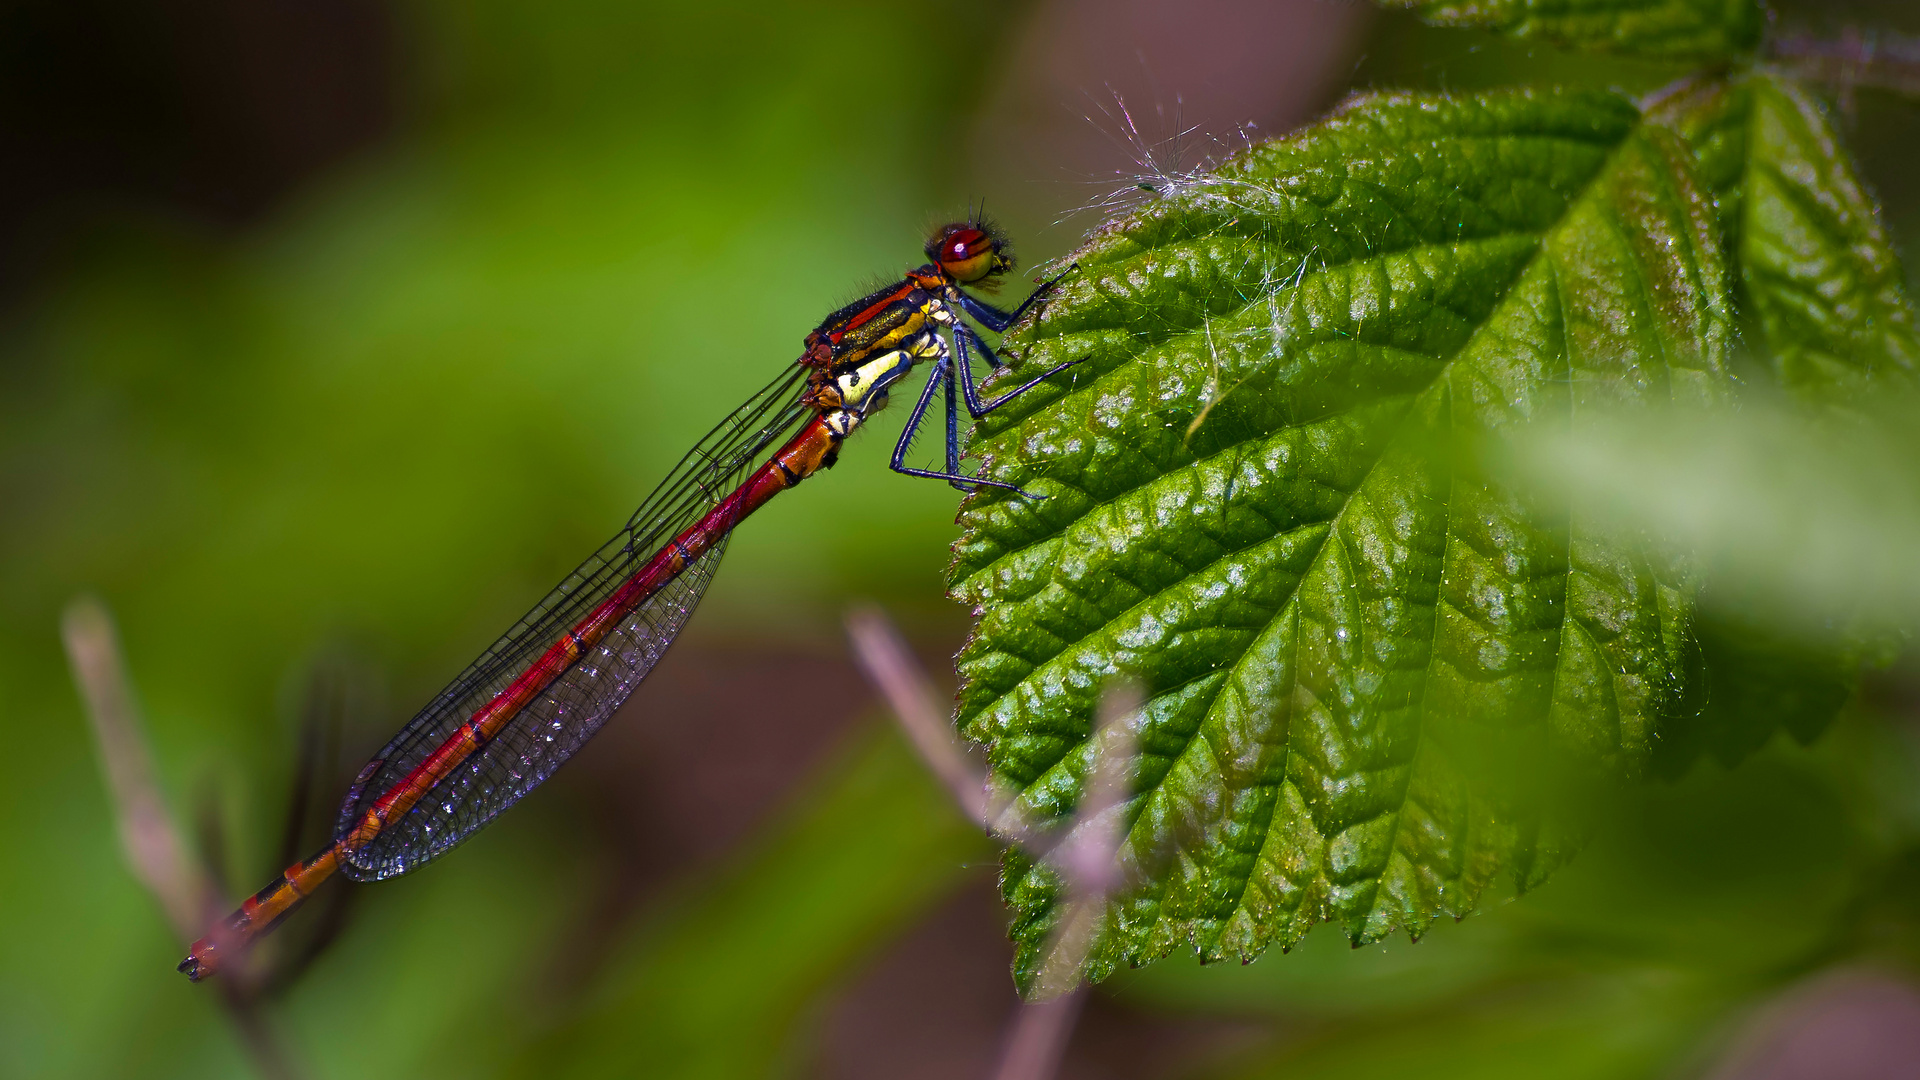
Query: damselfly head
[{"x": 970, "y": 251}]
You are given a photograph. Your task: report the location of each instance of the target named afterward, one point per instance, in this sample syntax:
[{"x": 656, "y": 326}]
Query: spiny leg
[
  {"x": 997, "y": 320},
  {"x": 953, "y": 431},
  {"x": 965, "y": 339},
  {"x": 919, "y": 415}
]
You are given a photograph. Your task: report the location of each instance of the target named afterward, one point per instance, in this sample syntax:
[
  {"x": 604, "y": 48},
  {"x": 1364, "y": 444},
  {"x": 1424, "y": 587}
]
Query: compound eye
[{"x": 964, "y": 252}]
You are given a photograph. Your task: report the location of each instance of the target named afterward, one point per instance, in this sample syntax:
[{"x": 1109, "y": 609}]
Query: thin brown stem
[
  {"x": 148, "y": 837},
  {"x": 1089, "y": 860},
  {"x": 1089, "y": 857},
  {"x": 269, "y": 1054},
  {"x": 888, "y": 664},
  {"x": 1038, "y": 1038},
  {"x": 1085, "y": 851}
]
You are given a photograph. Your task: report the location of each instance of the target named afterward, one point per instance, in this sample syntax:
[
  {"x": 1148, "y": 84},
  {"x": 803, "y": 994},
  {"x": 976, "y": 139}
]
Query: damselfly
[{"x": 509, "y": 720}]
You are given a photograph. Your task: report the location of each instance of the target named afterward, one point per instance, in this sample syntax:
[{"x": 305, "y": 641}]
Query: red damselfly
[{"x": 515, "y": 714}]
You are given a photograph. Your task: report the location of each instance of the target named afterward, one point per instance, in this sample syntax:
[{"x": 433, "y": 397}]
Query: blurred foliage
[
  {"x": 1820, "y": 282},
  {"x": 1695, "y": 30},
  {"x": 407, "y": 405},
  {"x": 752, "y": 952},
  {"x": 1698, "y": 897},
  {"x": 393, "y": 417}
]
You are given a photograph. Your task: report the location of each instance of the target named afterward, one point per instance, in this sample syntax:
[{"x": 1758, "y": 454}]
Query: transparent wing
[
  {"x": 540, "y": 737},
  {"x": 569, "y": 710}
]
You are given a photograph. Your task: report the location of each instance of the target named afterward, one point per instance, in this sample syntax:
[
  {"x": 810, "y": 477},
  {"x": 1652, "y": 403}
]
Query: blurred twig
[
  {"x": 890, "y": 666},
  {"x": 1038, "y": 1038},
  {"x": 1883, "y": 61},
  {"x": 1087, "y": 858},
  {"x": 888, "y": 663},
  {"x": 1089, "y": 861},
  {"x": 148, "y": 836}
]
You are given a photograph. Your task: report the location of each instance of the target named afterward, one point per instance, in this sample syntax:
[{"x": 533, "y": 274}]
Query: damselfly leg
[
  {"x": 955, "y": 365},
  {"x": 943, "y": 375},
  {"x": 997, "y": 320},
  {"x": 976, "y": 405},
  {"x": 939, "y": 377}
]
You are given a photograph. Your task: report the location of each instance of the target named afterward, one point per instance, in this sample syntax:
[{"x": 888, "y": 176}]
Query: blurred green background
[{"x": 330, "y": 341}]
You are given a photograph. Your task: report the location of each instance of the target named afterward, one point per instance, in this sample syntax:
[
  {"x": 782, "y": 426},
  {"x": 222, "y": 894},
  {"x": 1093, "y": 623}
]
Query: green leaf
[
  {"x": 1822, "y": 276},
  {"x": 1370, "y": 668},
  {"x": 1831, "y": 325},
  {"x": 1693, "y": 30},
  {"x": 1817, "y": 272}
]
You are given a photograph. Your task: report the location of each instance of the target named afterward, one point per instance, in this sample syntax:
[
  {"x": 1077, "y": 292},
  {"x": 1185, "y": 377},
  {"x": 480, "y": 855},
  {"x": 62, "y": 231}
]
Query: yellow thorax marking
[{"x": 872, "y": 377}]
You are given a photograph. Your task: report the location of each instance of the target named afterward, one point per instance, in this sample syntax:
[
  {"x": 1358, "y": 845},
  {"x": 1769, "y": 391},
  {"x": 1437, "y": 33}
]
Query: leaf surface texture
[{"x": 1371, "y": 667}]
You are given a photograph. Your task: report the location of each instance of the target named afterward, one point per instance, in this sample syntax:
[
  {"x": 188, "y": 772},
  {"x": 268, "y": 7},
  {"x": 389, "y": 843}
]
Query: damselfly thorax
[{"x": 859, "y": 352}]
